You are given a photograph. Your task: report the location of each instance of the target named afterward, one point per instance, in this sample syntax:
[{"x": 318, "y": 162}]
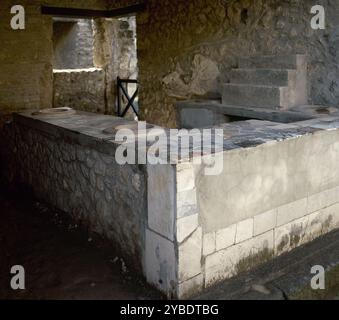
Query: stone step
[
  {"x": 255, "y": 96},
  {"x": 266, "y": 77},
  {"x": 297, "y": 61}
]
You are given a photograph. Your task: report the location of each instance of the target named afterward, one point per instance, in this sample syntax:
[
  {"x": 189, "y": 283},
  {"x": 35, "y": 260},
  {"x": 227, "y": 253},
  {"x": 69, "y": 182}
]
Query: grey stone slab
[
  {"x": 273, "y": 61},
  {"x": 263, "y": 76}
]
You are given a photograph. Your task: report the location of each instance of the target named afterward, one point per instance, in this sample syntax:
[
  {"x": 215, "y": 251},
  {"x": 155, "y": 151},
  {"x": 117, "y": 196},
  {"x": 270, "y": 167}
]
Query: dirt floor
[{"x": 60, "y": 260}]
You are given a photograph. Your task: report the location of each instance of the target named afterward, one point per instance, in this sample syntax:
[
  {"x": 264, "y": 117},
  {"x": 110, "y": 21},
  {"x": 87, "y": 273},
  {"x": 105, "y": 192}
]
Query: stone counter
[
  {"x": 70, "y": 164},
  {"x": 279, "y": 188}
]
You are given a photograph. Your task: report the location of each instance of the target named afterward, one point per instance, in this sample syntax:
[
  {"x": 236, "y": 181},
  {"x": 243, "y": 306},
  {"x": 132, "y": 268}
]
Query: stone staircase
[{"x": 274, "y": 82}]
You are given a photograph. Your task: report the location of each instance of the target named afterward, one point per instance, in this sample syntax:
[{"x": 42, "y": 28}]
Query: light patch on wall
[{"x": 204, "y": 79}]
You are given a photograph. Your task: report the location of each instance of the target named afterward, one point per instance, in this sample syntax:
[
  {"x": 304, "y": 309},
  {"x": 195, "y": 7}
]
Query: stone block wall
[
  {"x": 81, "y": 89},
  {"x": 185, "y": 49},
  {"x": 195, "y": 239},
  {"x": 78, "y": 174},
  {"x": 184, "y": 229}
]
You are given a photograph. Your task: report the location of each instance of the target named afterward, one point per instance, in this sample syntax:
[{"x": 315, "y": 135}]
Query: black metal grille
[{"x": 125, "y": 101}]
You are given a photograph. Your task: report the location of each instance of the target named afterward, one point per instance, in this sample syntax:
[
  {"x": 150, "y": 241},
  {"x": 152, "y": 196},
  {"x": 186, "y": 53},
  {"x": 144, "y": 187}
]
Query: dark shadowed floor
[{"x": 60, "y": 260}]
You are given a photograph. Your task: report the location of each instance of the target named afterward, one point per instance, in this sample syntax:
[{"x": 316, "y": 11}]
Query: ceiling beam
[{"x": 88, "y": 13}]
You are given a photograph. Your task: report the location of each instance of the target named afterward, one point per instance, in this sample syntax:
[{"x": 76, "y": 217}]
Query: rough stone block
[
  {"x": 186, "y": 203},
  {"x": 329, "y": 218},
  {"x": 191, "y": 118},
  {"x": 189, "y": 256},
  {"x": 186, "y": 226},
  {"x": 264, "y": 222},
  {"x": 244, "y": 230},
  {"x": 226, "y": 237},
  {"x": 265, "y": 96},
  {"x": 161, "y": 199},
  {"x": 160, "y": 262},
  {"x": 209, "y": 243},
  {"x": 322, "y": 200},
  {"x": 297, "y": 233},
  {"x": 229, "y": 262},
  {"x": 291, "y": 211},
  {"x": 185, "y": 177},
  {"x": 191, "y": 287},
  {"x": 272, "y": 77},
  {"x": 274, "y": 61}
]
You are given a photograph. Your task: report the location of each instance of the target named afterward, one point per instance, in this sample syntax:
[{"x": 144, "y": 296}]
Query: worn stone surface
[
  {"x": 189, "y": 256},
  {"x": 185, "y": 177},
  {"x": 161, "y": 200},
  {"x": 264, "y": 222},
  {"x": 225, "y": 263},
  {"x": 188, "y": 288},
  {"x": 226, "y": 237},
  {"x": 186, "y": 203},
  {"x": 160, "y": 263},
  {"x": 209, "y": 243},
  {"x": 186, "y": 226},
  {"x": 283, "y": 172},
  {"x": 182, "y": 246},
  {"x": 291, "y": 211},
  {"x": 284, "y": 276},
  {"x": 244, "y": 230}
]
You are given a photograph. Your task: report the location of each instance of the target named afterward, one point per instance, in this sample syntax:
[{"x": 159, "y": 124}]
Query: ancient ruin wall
[
  {"x": 26, "y": 56},
  {"x": 78, "y": 174},
  {"x": 185, "y": 48},
  {"x": 115, "y": 52},
  {"x": 73, "y": 44},
  {"x": 80, "y": 89}
]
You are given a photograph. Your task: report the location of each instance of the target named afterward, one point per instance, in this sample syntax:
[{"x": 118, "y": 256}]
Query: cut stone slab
[
  {"x": 161, "y": 203},
  {"x": 189, "y": 287},
  {"x": 226, "y": 237},
  {"x": 270, "y": 61},
  {"x": 186, "y": 226},
  {"x": 255, "y": 96},
  {"x": 190, "y": 253},
  {"x": 160, "y": 262},
  {"x": 268, "y": 77}
]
